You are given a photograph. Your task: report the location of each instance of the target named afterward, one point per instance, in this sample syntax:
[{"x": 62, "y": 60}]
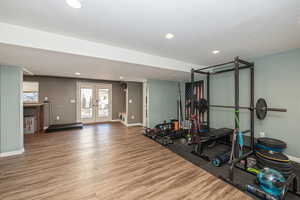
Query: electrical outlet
[
  {"x": 72, "y": 101},
  {"x": 57, "y": 118},
  {"x": 132, "y": 117},
  {"x": 130, "y": 100},
  {"x": 262, "y": 134}
]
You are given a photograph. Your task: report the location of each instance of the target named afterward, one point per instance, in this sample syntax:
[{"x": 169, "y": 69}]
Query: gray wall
[
  {"x": 11, "y": 109},
  {"x": 135, "y": 109},
  {"x": 163, "y": 97},
  {"x": 61, "y": 90},
  {"x": 277, "y": 79}
]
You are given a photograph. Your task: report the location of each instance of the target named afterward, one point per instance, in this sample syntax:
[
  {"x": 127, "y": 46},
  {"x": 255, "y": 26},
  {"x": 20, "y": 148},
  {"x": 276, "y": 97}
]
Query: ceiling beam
[{"x": 33, "y": 38}]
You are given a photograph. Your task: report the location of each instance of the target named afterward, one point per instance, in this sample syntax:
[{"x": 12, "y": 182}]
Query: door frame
[{"x": 95, "y": 85}]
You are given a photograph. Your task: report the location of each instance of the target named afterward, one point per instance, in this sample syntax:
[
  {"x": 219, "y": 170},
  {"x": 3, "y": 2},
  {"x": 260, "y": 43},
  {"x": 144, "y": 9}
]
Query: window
[{"x": 30, "y": 92}]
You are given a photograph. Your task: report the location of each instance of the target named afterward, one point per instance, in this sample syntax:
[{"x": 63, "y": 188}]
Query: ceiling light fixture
[
  {"x": 77, "y": 73},
  {"x": 74, "y": 3},
  {"x": 170, "y": 36},
  {"x": 216, "y": 51}
]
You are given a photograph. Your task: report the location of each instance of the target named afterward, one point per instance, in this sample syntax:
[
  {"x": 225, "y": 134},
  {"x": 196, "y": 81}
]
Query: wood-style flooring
[{"x": 105, "y": 161}]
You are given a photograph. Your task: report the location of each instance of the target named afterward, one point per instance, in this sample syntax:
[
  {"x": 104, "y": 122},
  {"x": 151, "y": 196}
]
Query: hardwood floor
[{"x": 106, "y": 161}]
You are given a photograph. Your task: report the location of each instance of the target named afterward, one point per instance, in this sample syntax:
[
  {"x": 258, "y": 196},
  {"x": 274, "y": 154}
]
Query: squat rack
[{"x": 233, "y": 66}]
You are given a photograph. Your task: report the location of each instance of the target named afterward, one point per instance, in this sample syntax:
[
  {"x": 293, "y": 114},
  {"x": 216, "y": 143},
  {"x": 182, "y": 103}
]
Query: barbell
[{"x": 261, "y": 107}]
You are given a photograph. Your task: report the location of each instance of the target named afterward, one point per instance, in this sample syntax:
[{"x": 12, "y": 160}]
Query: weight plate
[
  {"x": 284, "y": 173},
  {"x": 272, "y": 143},
  {"x": 275, "y": 156},
  {"x": 285, "y": 169},
  {"x": 271, "y": 162},
  {"x": 261, "y": 108},
  {"x": 203, "y": 105}
]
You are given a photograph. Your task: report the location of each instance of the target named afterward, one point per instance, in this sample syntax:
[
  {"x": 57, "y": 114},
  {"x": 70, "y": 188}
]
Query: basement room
[{"x": 154, "y": 100}]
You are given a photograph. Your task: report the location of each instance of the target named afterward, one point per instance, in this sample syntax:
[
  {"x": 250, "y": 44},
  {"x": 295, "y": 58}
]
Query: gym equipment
[
  {"x": 271, "y": 181},
  {"x": 253, "y": 170},
  {"x": 180, "y": 115},
  {"x": 260, "y": 110},
  {"x": 165, "y": 133},
  {"x": 259, "y": 193},
  {"x": 150, "y": 132},
  {"x": 271, "y": 144},
  {"x": 176, "y": 125},
  {"x": 63, "y": 127},
  {"x": 162, "y": 133},
  {"x": 272, "y": 155},
  {"x": 212, "y": 135},
  {"x": 274, "y": 160},
  {"x": 221, "y": 159},
  {"x": 284, "y": 173},
  {"x": 259, "y": 146},
  {"x": 271, "y": 163},
  {"x": 261, "y": 107}
]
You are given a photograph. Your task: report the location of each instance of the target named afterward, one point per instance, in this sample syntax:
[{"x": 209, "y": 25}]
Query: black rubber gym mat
[
  {"x": 272, "y": 143},
  {"x": 241, "y": 177},
  {"x": 63, "y": 127}
]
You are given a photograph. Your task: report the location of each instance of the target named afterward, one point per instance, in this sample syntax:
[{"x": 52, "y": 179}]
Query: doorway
[{"x": 94, "y": 102}]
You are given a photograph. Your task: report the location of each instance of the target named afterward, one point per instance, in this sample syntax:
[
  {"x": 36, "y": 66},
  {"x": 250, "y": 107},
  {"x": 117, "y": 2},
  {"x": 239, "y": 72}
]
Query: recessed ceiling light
[
  {"x": 74, "y": 3},
  {"x": 121, "y": 77},
  {"x": 170, "y": 36},
  {"x": 216, "y": 51},
  {"x": 77, "y": 73}
]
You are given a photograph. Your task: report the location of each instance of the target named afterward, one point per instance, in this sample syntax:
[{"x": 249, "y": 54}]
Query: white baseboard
[
  {"x": 12, "y": 153},
  {"x": 135, "y": 124},
  {"x": 129, "y": 125},
  {"x": 124, "y": 123},
  {"x": 295, "y": 159},
  {"x": 115, "y": 120}
]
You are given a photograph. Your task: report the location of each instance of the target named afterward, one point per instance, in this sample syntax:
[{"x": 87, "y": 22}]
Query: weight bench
[{"x": 211, "y": 136}]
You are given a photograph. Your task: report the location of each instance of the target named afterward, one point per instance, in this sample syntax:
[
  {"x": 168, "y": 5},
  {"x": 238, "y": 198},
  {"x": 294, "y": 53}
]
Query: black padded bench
[{"x": 208, "y": 137}]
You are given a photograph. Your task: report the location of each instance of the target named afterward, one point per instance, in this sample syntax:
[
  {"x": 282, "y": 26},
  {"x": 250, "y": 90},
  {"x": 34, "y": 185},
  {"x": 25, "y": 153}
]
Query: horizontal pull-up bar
[
  {"x": 248, "y": 65},
  {"x": 213, "y": 66},
  {"x": 229, "y": 70}
]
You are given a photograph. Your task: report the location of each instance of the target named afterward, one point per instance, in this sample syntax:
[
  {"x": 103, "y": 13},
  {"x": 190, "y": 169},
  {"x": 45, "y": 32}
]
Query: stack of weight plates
[{"x": 269, "y": 154}]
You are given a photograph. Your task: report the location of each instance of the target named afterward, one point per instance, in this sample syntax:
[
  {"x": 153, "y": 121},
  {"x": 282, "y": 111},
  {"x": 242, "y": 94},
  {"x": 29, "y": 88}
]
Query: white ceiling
[
  {"x": 42, "y": 62},
  {"x": 248, "y": 28}
]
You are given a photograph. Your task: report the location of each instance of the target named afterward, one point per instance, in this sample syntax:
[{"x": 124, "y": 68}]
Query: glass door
[
  {"x": 103, "y": 103},
  {"x": 94, "y": 103},
  {"x": 86, "y": 102}
]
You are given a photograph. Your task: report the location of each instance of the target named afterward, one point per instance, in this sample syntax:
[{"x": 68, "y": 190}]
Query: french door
[{"x": 94, "y": 102}]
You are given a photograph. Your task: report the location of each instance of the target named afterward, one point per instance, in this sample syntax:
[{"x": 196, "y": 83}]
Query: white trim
[
  {"x": 124, "y": 123},
  {"x": 145, "y": 104},
  {"x": 12, "y": 153},
  {"x": 93, "y": 85},
  {"x": 115, "y": 120},
  {"x": 126, "y": 110},
  {"x": 27, "y": 72},
  {"x": 134, "y": 124},
  {"x": 21, "y": 119},
  {"x": 130, "y": 125},
  {"x": 292, "y": 158},
  {"x": 34, "y": 38}
]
